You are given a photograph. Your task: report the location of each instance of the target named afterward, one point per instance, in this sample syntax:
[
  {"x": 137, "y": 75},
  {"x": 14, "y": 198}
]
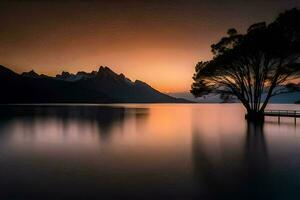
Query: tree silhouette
[{"x": 253, "y": 65}]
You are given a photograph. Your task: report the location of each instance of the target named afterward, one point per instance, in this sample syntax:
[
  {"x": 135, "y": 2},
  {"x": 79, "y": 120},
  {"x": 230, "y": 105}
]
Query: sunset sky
[{"x": 157, "y": 41}]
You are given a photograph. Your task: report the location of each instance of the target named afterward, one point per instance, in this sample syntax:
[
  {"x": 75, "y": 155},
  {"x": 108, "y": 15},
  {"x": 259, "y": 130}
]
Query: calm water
[{"x": 156, "y": 151}]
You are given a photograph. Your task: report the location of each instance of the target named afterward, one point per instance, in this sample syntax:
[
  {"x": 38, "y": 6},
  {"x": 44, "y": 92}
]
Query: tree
[{"x": 254, "y": 66}]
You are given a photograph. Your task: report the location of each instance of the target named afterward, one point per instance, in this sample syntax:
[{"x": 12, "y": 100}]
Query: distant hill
[
  {"x": 190, "y": 97},
  {"x": 293, "y": 97},
  {"x": 103, "y": 86}
]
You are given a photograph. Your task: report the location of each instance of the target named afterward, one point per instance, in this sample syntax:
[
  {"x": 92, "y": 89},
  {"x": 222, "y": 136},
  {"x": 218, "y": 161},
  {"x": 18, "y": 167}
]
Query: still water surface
[{"x": 150, "y": 151}]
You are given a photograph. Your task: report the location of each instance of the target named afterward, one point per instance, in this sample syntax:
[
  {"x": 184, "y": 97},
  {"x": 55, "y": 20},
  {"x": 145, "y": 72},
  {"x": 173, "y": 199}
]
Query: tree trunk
[{"x": 255, "y": 116}]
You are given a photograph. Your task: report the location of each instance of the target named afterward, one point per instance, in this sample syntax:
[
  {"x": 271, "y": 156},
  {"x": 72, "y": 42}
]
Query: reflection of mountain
[
  {"x": 102, "y": 86},
  {"x": 234, "y": 177},
  {"x": 104, "y": 118},
  {"x": 65, "y": 152}
]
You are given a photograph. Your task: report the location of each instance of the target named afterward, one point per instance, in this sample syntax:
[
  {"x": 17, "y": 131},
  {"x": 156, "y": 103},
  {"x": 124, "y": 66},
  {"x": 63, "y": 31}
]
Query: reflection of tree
[
  {"x": 234, "y": 177},
  {"x": 256, "y": 161},
  {"x": 105, "y": 117}
]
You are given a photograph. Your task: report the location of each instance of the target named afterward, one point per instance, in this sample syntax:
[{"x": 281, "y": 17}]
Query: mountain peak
[
  {"x": 66, "y": 76},
  {"x": 105, "y": 69},
  {"x": 122, "y": 76},
  {"x": 31, "y": 74},
  {"x": 106, "y": 72},
  {"x": 81, "y": 75},
  {"x": 64, "y": 73}
]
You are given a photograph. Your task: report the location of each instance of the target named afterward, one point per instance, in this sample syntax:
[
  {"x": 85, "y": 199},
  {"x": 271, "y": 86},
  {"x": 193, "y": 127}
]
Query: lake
[{"x": 146, "y": 151}]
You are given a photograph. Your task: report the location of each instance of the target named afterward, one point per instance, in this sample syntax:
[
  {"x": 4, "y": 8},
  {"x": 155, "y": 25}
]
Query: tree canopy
[{"x": 248, "y": 65}]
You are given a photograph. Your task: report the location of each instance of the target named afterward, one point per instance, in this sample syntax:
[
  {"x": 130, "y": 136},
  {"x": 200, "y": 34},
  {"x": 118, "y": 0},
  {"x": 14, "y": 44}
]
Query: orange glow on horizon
[
  {"x": 158, "y": 42},
  {"x": 158, "y": 68}
]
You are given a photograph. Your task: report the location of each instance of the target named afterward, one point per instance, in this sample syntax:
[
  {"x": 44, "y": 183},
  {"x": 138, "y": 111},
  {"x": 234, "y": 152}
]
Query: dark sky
[{"x": 158, "y": 41}]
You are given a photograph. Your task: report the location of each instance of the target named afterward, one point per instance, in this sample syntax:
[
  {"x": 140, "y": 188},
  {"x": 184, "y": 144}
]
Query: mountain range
[{"x": 102, "y": 86}]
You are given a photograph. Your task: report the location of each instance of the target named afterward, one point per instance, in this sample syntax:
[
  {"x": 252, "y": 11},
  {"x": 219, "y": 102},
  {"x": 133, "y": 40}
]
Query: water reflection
[
  {"x": 249, "y": 175},
  {"x": 67, "y": 121},
  {"x": 156, "y": 151},
  {"x": 58, "y": 151}
]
